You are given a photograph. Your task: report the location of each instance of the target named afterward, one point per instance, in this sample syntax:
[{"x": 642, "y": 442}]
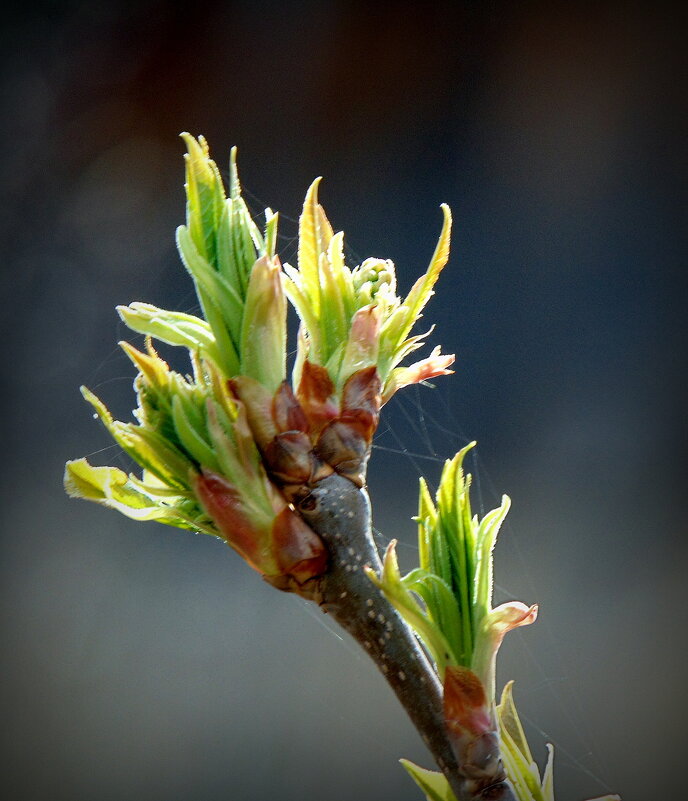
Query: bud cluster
[{"x": 227, "y": 450}]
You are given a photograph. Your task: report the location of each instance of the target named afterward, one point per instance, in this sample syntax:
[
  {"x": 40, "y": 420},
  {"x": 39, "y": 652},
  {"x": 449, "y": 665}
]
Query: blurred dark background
[{"x": 146, "y": 664}]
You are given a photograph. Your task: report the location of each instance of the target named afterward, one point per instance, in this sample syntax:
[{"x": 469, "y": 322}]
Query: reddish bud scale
[
  {"x": 465, "y": 701},
  {"x": 290, "y": 458},
  {"x": 300, "y": 553},
  {"x": 345, "y": 449},
  {"x": 277, "y": 543},
  {"x": 317, "y": 396},
  {"x": 472, "y": 733},
  {"x": 305, "y": 437},
  {"x": 287, "y": 413}
]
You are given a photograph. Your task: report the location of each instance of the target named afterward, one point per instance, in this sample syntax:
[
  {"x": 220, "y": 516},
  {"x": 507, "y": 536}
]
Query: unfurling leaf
[{"x": 431, "y": 782}]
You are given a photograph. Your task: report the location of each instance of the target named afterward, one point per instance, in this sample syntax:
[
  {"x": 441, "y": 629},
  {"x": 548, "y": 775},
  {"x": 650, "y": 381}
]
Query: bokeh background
[{"x": 146, "y": 664}]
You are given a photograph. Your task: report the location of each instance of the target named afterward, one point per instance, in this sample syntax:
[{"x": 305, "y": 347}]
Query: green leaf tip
[
  {"x": 222, "y": 250},
  {"x": 519, "y": 764},
  {"x": 234, "y": 184},
  {"x": 431, "y": 782}
]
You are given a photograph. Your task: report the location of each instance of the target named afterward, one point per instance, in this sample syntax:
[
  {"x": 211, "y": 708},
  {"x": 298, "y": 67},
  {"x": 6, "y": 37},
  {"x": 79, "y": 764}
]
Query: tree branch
[{"x": 339, "y": 513}]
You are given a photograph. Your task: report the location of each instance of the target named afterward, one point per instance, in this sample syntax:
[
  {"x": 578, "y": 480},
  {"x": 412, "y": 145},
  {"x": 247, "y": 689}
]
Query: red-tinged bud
[
  {"x": 344, "y": 448},
  {"x": 271, "y": 537},
  {"x": 465, "y": 703},
  {"x": 362, "y": 391},
  {"x": 280, "y": 428},
  {"x": 291, "y": 460},
  {"x": 345, "y": 442},
  {"x": 361, "y": 402},
  {"x": 472, "y": 733},
  {"x": 301, "y": 554},
  {"x": 224, "y": 504},
  {"x": 317, "y": 396},
  {"x": 304, "y": 438},
  {"x": 287, "y": 412}
]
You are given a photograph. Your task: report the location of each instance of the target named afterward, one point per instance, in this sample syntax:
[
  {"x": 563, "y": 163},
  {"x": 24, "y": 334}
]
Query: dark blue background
[{"x": 144, "y": 663}]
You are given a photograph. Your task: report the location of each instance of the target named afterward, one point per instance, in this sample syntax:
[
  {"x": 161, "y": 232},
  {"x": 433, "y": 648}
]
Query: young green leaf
[{"x": 431, "y": 782}]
